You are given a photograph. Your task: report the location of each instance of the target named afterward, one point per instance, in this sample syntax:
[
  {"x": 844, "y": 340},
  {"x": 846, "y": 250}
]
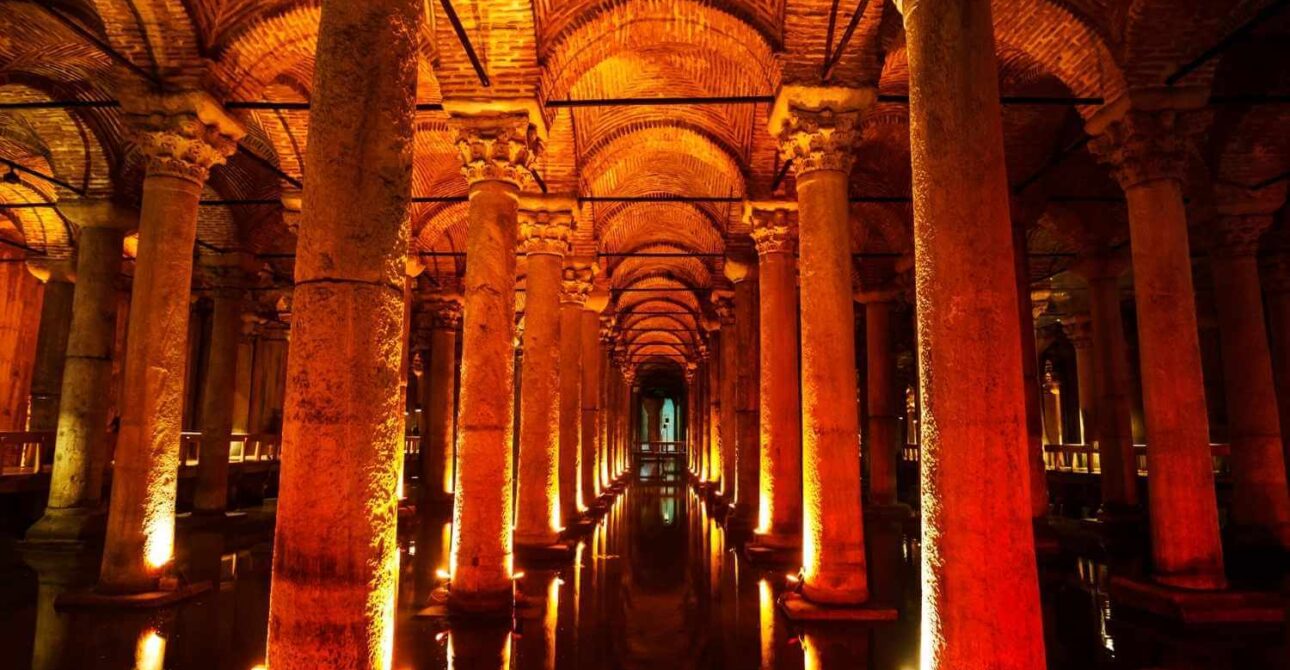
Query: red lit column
[
  {"x": 76, "y": 483},
  {"x": 818, "y": 129},
  {"x": 980, "y": 584},
  {"x": 748, "y": 444},
  {"x": 181, "y": 144},
  {"x": 1141, "y": 137},
  {"x": 574, "y": 288},
  {"x": 1080, "y": 333},
  {"x": 1032, "y": 383},
  {"x": 1276, "y": 288},
  {"x": 442, "y": 317},
  {"x": 1260, "y": 503},
  {"x": 883, "y": 402},
  {"x": 779, "y": 517},
  {"x": 496, "y": 149},
  {"x": 544, "y": 231},
  {"x": 1112, "y": 428},
  {"x": 727, "y": 378},
  {"x": 335, "y": 557}
]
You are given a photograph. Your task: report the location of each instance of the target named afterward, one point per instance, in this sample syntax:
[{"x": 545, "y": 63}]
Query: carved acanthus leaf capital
[
  {"x": 818, "y": 128},
  {"x": 181, "y": 134},
  {"x": 774, "y": 226},
  {"x": 1238, "y": 235},
  {"x": 575, "y": 283},
  {"x": 1079, "y": 330},
  {"x": 499, "y": 147},
  {"x": 443, "y": 312},
  {"x": 545, "y": 232},
  {"x": 724, "y": 303}
]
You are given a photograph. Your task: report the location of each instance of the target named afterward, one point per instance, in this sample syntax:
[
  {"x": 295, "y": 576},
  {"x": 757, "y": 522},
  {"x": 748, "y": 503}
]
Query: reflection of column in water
[
  {"x": 836, "y": 647},
  {"x": 430, "y": 561},
  {"x": 550, "y": 622},
  {"x": 56, "y": 573},
  {"x": 150, "y": 651},
  {"x": 766, "y": 623},
  {"x": 479, "y": 648}
]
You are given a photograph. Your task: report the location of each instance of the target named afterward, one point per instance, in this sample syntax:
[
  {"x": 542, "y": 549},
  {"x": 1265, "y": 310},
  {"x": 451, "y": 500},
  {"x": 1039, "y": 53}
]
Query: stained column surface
[
  {"x": 980, "y": 585},
  {"x": 589, "y": 465},
  {"x": 211, "y": 494},
  {"x": 884, "y": 422},
  {"x": 575, "y": 285},
  {"x": 76, "y": 483},
  {"x": 496, "y": 148},
  {"x": 779, "y": 517},
  {"x": 335, "y": 558},
  {"x": 747, "y": 455},
  {"x": 544, "y": 240},
  {"x": 438, "y": 395},
  {"x": 1260, "y": 504},
  {"x": 1112, "y": 430},
  {"x": 1146, "y": 149},
  {"x": 51, "y": 341},
  {"x": 180, "y": 146},
  {"x": 818, "y": 129}
]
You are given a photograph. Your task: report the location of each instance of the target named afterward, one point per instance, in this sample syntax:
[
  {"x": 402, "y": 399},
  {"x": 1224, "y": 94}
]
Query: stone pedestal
[
  {"x": 980, "y": 585},
  {"x": 74, "y": 511},
  {"x": 779, "y": 515},
  {"x": 1142, "y": 136},
  {"x": 182, "y": 136},
  {"x": 497, "y": 148},
  {"x": 544, "y": 232},
  {"x": 818, "y": 129}
]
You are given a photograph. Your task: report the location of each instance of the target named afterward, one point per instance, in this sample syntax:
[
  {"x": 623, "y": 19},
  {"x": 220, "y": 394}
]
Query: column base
[
  {"x": 774, "y": 550},
  {"x": 71, "y": 528},
  {"x": 1198, "y": 607},
  {"x": 169, "y": 593},
  {"x": 797, "y": 607},
  {"x": 481, "y": 605},
  {"x": 543, "y": 555}
]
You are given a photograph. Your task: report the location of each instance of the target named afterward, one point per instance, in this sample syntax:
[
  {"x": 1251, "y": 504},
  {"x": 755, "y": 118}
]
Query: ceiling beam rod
[
  {"x": 19, "y": 167},
  {"x": 103, "y": 46},
  {"x": 835, "y": 56},
  {"x": 1224, "y": 44},
  {"x": 462, "y": 37},
  {"x": 268, "y": 165}
]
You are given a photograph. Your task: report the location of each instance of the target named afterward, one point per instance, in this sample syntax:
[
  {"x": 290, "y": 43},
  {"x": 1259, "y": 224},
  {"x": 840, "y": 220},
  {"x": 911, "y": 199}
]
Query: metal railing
[
  {"x": 671, "y": 448},
  {"x": 1085, "y": 459},
  {"x": 22, "y": 453}
]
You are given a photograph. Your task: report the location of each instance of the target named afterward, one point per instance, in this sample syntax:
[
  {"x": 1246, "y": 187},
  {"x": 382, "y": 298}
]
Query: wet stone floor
[{"x": 657, "y": 584}]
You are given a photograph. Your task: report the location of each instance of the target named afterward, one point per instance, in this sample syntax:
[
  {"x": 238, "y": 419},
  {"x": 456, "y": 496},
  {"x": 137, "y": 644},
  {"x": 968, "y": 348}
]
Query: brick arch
[
  {"x": 623, "y": 228},
  {"x": 155, "y": 34},
  {"x": 680, "y": 26},
  {"x": 688, "y": 271},
  {"x": 42, "y": 228},
  {"x": 1161, "y": 35}
]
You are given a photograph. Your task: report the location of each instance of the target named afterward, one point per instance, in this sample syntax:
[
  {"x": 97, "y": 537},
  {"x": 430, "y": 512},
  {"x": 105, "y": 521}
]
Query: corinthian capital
[
  {"x": 818, "y": 127},
  {"x": 724, "y": 302},
  {"x": 497, "y": 146},
  {"x": 183, "y": 134},
  {"x": 442, "y": 312},
  {"x": 1145, "y": 135},
  {"x": 575, "y": 283},
  {"x": 545, "y": 225},
  {"x": 774, "y": 226}
]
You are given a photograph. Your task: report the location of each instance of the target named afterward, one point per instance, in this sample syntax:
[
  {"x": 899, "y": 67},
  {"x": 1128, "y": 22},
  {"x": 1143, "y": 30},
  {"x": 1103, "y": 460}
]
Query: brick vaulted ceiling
[{"x": 554, "y": 50}]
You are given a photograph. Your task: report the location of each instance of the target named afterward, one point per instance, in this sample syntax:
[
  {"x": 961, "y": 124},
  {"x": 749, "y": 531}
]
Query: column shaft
[
  {"x": 780, "y": 505},
  {"x": 590, "y": 354},
  {"x": 1113, "y": 429},
  {"x": 1260, "y": 502},
  {"x": 437, "y": 398},
  {"x": 981, "y": 591},
  {"x": 729, "y": 380},
  {"x": 883, "y": 405},
  {"x": 1032, "y": 384},
  {"x": 217, "y": 404},
  {"x": 51, "y": 352},
  {"x": 336, "y": 557},
  {"x": 76, "y": 483},
  {"x": 748, "y": 451},
  {"x": 571, "y": 500}
]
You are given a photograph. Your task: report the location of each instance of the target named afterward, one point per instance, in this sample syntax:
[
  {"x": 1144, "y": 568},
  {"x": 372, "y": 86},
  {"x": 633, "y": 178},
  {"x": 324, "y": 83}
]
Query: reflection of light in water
[
  {"x": 150, "y": 651},
  {"x": 550, "y": 620},
  {"x": 1104, "y": 624},
  {"x": 766, "y": 617},
  {"x": 810, "y": 654}
]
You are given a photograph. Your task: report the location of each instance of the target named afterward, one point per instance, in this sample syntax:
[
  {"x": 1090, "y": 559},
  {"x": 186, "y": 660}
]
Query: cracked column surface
[
  {"x": 818, "y": 129},
  {"x": 74, "y": 511},
  {"x": 1142, "y": 135},
  {"x": 496, "y": 148},
  {"x": 779, "y": 517},
  {"x": 182, "y": 135},
  {"x": 981, "y": 587},
  {"x": 335, "y": 559},
  {"x": 544, "y": 233}
]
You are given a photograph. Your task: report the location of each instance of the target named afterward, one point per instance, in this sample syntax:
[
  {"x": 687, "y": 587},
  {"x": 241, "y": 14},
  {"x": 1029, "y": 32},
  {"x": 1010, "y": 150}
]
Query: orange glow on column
[
  {"x": 766, "y": 620},
  {"x": 159, "y": 545}
]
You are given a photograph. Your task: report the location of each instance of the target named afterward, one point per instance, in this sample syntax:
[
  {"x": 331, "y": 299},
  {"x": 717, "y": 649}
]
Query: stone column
[
  {"x": 726, "y": 389},
  {"x": 690, "y": 372},
  {"x": 336, "y": 557},
  {"x": 589, "y": 329},
  {"x": 1112, "y": 430},
  {"x": 182, "y": 136},
  {"x": 818, "y": 129},
  {"x": 242, "y": 378},
  {"x": 1141, "y": 136},
  {"x": 1260, "y": 502},
  {"x": 74, "y": 509},
  {"x": 882, "y": 399},
  {"x": 779, "y": 516},
  {"x": 497, "y": 147},
  {"x": 59, "y": 278},
  {"x": 1276, "y": 289},
  {"x": 980, "y": 585},
  {"x": 1079, "y": 331},
  {"x": 211, "y": 496},
  {"x": 544, "y": 232},
  {"x": 712, "y": 391},
  {"x": 574, "y": 288},
  {"x": 607, "y": 416},
  {"x": 748, "y": 444},
  {"x": 438, "y": 396},
  {"x": 1031, "y": 379}
]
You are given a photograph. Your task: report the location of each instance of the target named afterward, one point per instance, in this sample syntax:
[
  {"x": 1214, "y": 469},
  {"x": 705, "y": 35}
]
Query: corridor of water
[{"x": 657, "y": 584}]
